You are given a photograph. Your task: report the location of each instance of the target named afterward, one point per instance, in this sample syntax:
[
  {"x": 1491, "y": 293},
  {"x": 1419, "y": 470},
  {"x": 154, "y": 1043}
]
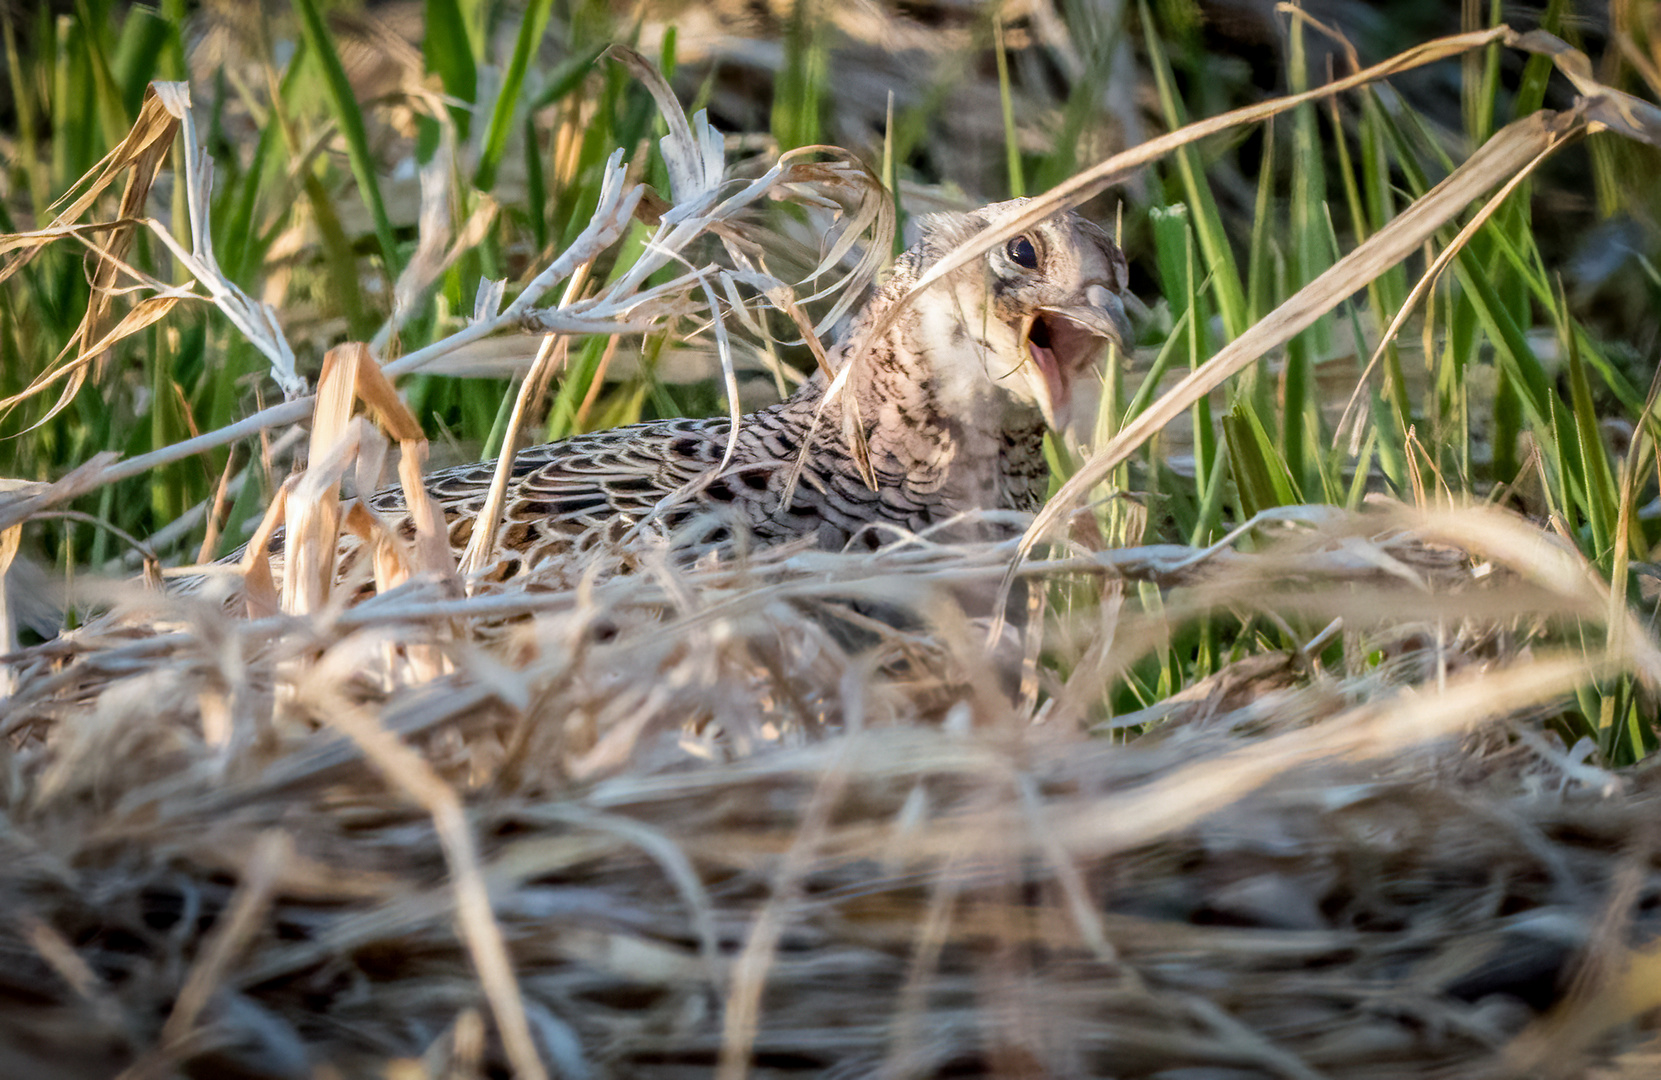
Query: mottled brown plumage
[{"x": 953, "y": 400}]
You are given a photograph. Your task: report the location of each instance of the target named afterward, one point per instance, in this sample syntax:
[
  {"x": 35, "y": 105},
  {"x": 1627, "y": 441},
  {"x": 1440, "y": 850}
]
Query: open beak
[{"x": 1064, "y": 343}]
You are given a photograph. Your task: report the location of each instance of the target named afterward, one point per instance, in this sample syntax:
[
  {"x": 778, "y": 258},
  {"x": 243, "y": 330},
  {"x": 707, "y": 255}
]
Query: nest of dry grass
[{"x": 689, "y": 820}]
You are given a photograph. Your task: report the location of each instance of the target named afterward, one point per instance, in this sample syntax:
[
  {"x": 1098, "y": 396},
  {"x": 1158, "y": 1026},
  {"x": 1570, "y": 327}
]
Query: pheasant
[{"x": 953, "y": 399}]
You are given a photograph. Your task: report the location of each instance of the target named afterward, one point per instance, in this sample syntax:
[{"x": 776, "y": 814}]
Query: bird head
[{"x": 1039, "y": 307}]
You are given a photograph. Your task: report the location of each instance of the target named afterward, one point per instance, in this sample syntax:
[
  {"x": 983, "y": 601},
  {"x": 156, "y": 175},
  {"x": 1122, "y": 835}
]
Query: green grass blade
[
  {"x": 140, "y": 49},
  {"x": 536, "y": 187},
  {"x": 1167, "y": 355},
  {"x": 531, "y": 28},
  {"x": 1482, "y": 93},
  {"x": 24, "y": 109},
  {"x": 1012, "y": 146},
  {"x": 568, "y": 75},
  {"x": 106, "y": 95},
  {"x": 1380, "y": 193},
  {"x": 173, "y": 13},
  {"x": 449, "y": 51},
  {"x": 1363, "y": 466},
  {"x": 1531, "y": 88},
  {"x": 1362, "y": 204},
  {"x": 71, "y": 126},
  {"x": 1602, "y": 499},
  {"x": 1310, "y": 255},
  {"x": 339, "y": 260},
  {"x": 350, "y": 118},
  {"x": 1226, "y": 284},
  {"x": 799, "y": 92},
  {"x": 1260, "y": 475},
  {"x": 1260, "y": 274},
  {"x": 238, "y": 245}
]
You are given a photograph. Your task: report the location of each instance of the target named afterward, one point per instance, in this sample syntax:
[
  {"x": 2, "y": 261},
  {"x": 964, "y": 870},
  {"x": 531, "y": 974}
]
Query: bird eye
[{"x": 1022, "y": 253}]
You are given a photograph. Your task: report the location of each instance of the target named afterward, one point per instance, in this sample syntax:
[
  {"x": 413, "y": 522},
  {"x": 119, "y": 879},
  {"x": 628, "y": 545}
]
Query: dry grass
[
  {"x": 1386, "y": 855},
  {"x": 679, "y": 825},
  {"x": 725, "y": 817}
]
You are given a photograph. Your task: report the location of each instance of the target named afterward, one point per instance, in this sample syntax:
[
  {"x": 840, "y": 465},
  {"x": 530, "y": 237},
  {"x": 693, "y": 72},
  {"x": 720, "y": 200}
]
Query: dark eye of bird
[{"x": 1022, "y": 253}]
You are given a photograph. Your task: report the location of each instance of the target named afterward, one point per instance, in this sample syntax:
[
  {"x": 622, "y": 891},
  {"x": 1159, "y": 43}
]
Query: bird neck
[{"x": 968, "y": 444}]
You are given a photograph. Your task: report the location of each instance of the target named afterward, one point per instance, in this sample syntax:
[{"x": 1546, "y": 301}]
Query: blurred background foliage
[{"x": 1524, "y": 380}]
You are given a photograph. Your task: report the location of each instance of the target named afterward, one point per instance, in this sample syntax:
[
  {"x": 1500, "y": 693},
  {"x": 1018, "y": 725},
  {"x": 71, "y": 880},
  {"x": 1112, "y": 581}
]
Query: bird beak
[
  {"x": 1102, "y": 314},
  {"x": 1065, "y": 341}
]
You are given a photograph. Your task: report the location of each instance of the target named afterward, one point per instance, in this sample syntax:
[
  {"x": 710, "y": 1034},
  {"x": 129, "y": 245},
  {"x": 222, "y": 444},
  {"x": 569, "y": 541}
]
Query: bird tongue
[
  {"x": 1056, "y": 379},
  {"x": 1063, "y": 347}
]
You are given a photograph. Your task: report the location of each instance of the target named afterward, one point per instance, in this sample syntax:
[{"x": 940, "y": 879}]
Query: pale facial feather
[{"x": 972, "y": 328}]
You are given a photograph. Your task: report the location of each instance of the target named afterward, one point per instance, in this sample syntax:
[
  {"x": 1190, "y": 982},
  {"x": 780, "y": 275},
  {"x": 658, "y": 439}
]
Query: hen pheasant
[{"x": 954, "y": 398}]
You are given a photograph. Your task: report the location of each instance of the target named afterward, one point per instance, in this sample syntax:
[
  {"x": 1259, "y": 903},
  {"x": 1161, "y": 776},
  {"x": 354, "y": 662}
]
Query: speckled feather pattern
[{"x": 951, "y": 423}]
